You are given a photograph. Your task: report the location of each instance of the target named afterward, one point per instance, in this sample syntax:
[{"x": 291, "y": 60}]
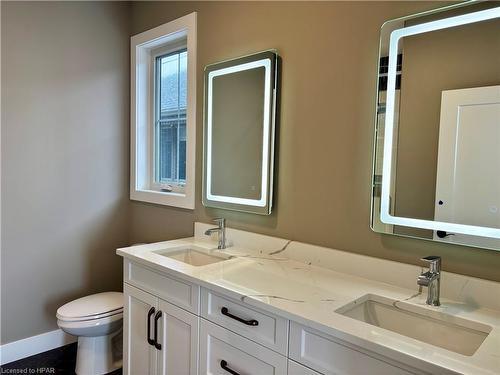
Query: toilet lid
[{"x": 95, "y": 305}]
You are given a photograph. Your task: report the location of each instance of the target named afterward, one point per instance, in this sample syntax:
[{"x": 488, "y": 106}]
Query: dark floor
[{"x": 57, "y": 361}]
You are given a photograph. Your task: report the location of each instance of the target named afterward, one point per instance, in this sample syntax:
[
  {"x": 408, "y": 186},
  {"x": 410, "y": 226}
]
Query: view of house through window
[{"x": 170, "y": 118}]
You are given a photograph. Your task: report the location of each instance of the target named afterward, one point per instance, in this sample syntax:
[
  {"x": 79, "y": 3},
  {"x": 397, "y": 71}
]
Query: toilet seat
[
  {"x": 91, "y": 308},
  {"x": 87, "y": 323},
  {"x": 91, "y": 327},
  {"x": 108, "y": 314}
]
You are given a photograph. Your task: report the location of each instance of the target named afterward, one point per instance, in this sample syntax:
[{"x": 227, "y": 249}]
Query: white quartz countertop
[{"x": 310, "y": 295}]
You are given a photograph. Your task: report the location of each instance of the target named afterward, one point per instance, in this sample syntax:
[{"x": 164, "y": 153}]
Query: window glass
[{"x": 170, "y": 121}]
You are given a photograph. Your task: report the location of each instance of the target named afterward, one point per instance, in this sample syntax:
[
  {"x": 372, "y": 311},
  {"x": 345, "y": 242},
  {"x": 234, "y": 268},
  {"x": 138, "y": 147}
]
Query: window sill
[{"x": 185, "y": 200}]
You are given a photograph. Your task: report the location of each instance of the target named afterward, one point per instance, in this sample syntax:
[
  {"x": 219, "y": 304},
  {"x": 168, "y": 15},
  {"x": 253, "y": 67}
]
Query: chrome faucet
[
  {"x": 221, "y": 231},
  {"x": 431, "y": 279}
]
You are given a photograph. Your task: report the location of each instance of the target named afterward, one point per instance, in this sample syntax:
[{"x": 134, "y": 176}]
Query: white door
[
  {"x": 468, "y": 170},
  {"x": 178, "y": 337},
  {"x": 140, "y": 356}
]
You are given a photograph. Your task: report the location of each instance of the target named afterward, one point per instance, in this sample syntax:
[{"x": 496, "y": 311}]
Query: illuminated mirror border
[
  {"x": 269, "y": 61},
  {"x": 395, "y": 37}
]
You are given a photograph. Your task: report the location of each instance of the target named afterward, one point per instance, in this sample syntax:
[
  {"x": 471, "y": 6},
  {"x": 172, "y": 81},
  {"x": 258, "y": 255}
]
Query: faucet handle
[
  {"x": 434, "y": 263},
  {"x": 220, "y": 221}
]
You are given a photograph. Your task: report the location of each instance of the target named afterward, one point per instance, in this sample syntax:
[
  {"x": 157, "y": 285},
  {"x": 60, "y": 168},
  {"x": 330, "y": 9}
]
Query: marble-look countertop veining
[{"x": 310, "y": 295}]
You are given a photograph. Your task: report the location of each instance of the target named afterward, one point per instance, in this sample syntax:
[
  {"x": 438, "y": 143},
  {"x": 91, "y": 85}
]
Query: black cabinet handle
[
  {"x": 150, "y": 314},
  {"x": 156, "y": 343},
  {"x": 443, "y": 234},
  {"x": 223, "y": 364},
  {"x": 251, "y": 322}
]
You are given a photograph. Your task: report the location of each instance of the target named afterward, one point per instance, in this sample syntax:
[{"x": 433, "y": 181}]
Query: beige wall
[
  {"x": 329, "y": 52},
  {"x": 65, "y": 90}
]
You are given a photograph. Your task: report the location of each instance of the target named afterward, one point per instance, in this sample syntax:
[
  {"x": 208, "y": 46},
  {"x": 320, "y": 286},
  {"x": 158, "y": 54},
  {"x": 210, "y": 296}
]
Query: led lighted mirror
[
  {"x": 437, "y": 141},
  {"x": 239, "y": 129}
]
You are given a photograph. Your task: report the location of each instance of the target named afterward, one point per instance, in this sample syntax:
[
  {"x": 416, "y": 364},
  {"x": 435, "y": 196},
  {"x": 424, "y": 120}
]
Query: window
[
  {"x": 163, "y": 114},
  {"x": 170, "y": 121}
]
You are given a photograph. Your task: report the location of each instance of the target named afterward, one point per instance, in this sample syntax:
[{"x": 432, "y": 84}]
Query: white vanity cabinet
[
  {"x": 160, "y": 338},
  {"x": 201, "y": 332}
]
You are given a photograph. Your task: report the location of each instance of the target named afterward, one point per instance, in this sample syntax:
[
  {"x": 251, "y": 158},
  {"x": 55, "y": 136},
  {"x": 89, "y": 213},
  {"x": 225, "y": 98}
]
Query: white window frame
[
  {"x": 144, "y": 48},
  {"x": 395, "y": 37}
]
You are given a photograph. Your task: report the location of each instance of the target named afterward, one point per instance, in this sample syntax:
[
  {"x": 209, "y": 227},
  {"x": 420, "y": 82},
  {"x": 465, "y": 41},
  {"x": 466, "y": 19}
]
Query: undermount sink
[
  {"x": 434, "y": 328},
  {"x": 192, "y": 255}
]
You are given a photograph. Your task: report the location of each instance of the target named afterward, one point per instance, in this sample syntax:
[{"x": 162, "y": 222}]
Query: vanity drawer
[
  {"x": 295, "y": 368},
  {"x": 257, "y": 325},
  {"x": 176, "y": 291},
  {"x": 330, "y": 356},
  {"x": 221, "y": 348}
]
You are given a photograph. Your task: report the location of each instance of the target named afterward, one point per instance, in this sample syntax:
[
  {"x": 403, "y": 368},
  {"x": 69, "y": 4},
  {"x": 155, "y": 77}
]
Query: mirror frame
[
  {"x": 395, "y": 37},
  {"x": 269, "y": 60}
]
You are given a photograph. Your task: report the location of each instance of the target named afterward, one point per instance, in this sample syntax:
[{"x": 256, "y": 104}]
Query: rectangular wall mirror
[
  {"x": 437, "y": 139},
  {"x": 239, "y": 132}
]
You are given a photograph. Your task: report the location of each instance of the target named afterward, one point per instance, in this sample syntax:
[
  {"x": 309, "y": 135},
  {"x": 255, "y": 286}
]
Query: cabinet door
[
  {"x": 139, "y": 357},
  {"x": 178, "y": 336}
]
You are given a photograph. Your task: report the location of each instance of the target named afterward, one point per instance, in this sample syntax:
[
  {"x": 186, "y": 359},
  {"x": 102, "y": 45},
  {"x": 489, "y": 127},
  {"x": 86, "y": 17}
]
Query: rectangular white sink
[
  {"x": 193, "y": 255},
  {"x": 434, "y": 328}
]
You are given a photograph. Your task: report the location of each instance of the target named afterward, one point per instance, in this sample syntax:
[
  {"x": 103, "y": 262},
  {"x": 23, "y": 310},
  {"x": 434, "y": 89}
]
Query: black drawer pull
[
  {"x": 223, "y": 364},
  {"x": 150, "y": 314},
  {"x": 251, "y": 322},
  {"x": 157, "y": 344}
]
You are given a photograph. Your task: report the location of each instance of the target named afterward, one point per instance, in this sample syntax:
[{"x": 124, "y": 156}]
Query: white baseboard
[{"x": 29, "y": 346}]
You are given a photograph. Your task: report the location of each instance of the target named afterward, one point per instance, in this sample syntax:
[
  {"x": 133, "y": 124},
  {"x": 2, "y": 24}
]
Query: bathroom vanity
[{"x": 266, "y": 305}]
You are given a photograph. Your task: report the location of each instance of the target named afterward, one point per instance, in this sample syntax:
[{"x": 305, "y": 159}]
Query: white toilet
[{"x": 97, "y": 320}]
